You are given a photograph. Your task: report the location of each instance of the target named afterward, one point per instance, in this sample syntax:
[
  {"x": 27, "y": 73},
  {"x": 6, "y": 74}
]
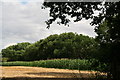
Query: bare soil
[{"x": 39, "y": 73}]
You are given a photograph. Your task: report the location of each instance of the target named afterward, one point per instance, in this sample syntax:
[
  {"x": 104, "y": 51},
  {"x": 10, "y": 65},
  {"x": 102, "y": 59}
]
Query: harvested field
[{"x": 39, "y": 73}]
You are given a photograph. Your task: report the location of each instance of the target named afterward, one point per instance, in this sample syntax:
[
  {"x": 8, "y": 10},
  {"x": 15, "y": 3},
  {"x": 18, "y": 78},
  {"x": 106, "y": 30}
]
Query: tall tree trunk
[
  {"x": 115, "y": 62},
  {"x": 115, "y": 70}
]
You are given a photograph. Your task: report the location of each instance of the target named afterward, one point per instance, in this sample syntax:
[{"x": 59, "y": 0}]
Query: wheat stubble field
[{"x": 39, "y": 73}]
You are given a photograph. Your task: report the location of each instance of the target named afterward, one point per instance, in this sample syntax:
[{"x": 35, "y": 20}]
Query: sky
[{"x": 24, "y": 21}]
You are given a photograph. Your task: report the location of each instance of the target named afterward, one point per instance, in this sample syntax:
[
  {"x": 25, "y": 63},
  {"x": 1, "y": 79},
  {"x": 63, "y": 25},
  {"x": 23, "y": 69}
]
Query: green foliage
[
  {"x": 58, "y": 63},
  {"x": 66, "y": 45},
  {"x": 5, "y": 59},
  {"x": 15, "y": 52},
  {"x": 98, "y": 65}
]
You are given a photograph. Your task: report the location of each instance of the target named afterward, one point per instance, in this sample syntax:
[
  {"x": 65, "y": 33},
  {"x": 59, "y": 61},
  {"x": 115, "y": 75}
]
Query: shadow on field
[
  {"x": 28, "y": 78},
  {"x": 62, "y": 75},
  {"x": 57, "y": 75}
]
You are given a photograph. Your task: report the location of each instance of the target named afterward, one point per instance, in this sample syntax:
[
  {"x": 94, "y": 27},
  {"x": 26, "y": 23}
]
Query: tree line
[{"x": 66, "y": 45}]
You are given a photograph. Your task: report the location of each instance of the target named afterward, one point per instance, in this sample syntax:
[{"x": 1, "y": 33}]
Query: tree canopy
[
  {"x": 15, "y": 52},
  {"x": 66, "y": 45}
]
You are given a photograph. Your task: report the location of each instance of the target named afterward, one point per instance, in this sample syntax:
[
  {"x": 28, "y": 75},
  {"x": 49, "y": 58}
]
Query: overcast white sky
[{"x": 24, "y": 21}]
